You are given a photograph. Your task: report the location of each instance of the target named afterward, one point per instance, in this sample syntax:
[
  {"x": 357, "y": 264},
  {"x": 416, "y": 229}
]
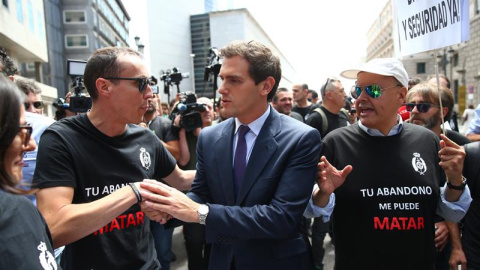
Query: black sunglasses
[
  {"x": 421, "y": 107},
  {"x": 373, "y": 90},
  {"x": 28, "y": 133},
  {"x": 35, "y": 104},
  {"x": 142, "y": 82}
]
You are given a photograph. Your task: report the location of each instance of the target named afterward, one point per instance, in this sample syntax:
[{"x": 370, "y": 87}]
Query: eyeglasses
[
  {"x": 421, "y": 107},
  {"x": 373, "y": 90},
  {"x": 142, "y": 82},
  {"x": 27, "y": 133},
  {"x": 35, "y": 104}
]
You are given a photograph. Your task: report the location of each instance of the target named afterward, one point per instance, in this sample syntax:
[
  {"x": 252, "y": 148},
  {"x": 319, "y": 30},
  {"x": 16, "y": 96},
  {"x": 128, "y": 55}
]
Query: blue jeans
[{"x": 163, "y": 243}]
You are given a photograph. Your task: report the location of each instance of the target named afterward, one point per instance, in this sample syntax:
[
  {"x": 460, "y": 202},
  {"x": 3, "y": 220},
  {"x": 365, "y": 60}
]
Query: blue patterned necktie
[{"x": 240, "y": 158}]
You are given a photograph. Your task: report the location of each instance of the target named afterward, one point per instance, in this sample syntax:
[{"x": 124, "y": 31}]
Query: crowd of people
[{"x": 382, "y": 168}]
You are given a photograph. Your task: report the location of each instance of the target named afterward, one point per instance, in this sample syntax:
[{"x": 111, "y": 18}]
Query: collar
[
  {"x": 256, "y": 125},
  {"x": 376, "y": 133}
]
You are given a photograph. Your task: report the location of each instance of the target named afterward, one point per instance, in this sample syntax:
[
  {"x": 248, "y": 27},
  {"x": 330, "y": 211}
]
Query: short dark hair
[
  {"x": 103, "y": 63},
  {"x": 263, "y": 62},
  {"x": 280, "y": 89},
  {"x": 314, "y": 93},
  {"x": 429, "y": 93},
  {"x": 10, "y": 102},
  {"x": 6, "y": 63}
]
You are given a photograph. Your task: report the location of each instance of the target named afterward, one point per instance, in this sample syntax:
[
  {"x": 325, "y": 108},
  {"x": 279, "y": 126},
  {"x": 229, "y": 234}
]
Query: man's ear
[
  {"x": 268, "y": 84},
  {"x": 103, "y": 86},
  {"x": 402, "y": 94},
  {"x": 445, "y": 111}
]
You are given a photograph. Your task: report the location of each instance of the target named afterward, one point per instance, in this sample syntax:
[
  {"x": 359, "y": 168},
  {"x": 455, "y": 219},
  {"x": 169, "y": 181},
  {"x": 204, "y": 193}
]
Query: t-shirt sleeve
[
  {"x": 315, "y": 121},
  {"x": 54, "y": 163}
]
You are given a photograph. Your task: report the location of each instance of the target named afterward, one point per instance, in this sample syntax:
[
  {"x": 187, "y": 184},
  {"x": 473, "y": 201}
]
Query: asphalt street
[{"x": 178, "y": 247}]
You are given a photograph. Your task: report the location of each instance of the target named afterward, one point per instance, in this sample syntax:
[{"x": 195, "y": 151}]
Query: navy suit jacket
[{"x": 261, "y": 228}]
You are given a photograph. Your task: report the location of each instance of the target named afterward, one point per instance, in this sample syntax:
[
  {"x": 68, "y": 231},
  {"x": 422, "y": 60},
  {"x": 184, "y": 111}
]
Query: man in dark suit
[{"x": 253, "y": 221}]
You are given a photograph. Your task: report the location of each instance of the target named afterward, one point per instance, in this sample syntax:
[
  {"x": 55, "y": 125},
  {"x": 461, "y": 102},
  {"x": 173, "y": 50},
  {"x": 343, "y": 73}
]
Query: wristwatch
[
  {"x": 461, "y": 187},
  {"x": 202, "y": 213}
]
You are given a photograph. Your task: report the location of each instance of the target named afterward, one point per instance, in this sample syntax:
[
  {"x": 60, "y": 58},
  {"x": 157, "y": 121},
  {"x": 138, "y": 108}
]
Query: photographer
[{"x": 198, "y": 251}]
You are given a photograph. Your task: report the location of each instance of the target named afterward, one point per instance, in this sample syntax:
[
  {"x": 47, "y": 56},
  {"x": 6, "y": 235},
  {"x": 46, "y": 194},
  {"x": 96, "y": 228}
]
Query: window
[
  {"x": 421, "y": 68},
  {"x": 19, "y": 11},
  {"x": 76, "y": 41},
  {"x": 455, "y": 60},
  {"x": 74, "y": 16},
  {"x": 31, "y": 22},
  {"x": 30, "y": 66}
]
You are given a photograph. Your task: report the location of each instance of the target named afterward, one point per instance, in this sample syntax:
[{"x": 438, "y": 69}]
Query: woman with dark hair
[{"x": 24, "y": 236}]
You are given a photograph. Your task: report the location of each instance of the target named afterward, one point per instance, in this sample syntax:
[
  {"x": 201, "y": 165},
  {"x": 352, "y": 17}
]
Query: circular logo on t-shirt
[
  {"x": 419, "y": 164},
  {"x": 145, "y": 158}
]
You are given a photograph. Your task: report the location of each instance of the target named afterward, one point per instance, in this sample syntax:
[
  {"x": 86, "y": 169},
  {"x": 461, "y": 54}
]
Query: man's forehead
[
  {"x": 366, "y": 77},
  {"x": 283, "y": 94}
]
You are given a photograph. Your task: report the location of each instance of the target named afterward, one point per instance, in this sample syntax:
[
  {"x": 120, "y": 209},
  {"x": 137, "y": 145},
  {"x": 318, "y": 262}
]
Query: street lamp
[
  {"x": 140, "y": 45},
  {"x": 192, "y": 56}
]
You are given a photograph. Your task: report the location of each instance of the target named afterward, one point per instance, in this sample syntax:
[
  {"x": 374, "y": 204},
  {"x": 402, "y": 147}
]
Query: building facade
[
  {"x": 217, "y": 29},
  {"x": 23, "y": 36},
  {"x": 77, "y": 28}
]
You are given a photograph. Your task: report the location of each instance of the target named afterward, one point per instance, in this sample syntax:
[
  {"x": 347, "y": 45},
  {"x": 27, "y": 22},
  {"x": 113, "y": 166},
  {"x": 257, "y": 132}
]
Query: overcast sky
[{"x": 319, "y": 38}]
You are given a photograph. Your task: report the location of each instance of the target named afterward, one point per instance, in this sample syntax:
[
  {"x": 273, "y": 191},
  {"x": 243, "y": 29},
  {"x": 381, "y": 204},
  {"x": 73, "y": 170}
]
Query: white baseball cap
[{"x": 381, "y": 66}]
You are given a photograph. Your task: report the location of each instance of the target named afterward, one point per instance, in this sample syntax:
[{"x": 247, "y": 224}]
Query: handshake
[{"x": 161, "y": 202}]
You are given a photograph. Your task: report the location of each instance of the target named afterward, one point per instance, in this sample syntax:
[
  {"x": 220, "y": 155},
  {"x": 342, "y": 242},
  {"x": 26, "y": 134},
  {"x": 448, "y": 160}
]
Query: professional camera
[
  {"x": 214, "y": 64},
  {"x": 189, "y": 111},
  {"x": 213, "y": 68},
  {"x": 79, "y": 102},
  {"x": 171, "y": 77}
]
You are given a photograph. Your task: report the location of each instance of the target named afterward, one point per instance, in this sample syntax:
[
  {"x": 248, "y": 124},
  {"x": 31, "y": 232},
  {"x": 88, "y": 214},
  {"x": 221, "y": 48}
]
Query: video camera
[
  {"x": 214, "y": 64},
  {"x": 189, "y": 111},
  {"x": 171, "y": 77},
  {"x": 79, "y": 102}
]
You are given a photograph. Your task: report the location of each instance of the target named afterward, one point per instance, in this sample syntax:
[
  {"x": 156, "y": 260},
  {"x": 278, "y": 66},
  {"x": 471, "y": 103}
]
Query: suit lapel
[
  {"x": 263, "y": 150},
  {"x": 224, "y": 161}
]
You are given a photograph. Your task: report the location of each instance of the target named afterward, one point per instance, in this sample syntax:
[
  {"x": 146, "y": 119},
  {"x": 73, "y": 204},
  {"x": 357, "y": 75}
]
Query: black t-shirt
[
  {"x": 334, "y": 121},
  {"x": 296, "y": 116},
  {"x": 73, "y": 153},
  {"x": 25, "y": 241},
  {"x": 162, "y": 127},
  {"x": 384, "y": 212},
  {"x": 304, "y": 112}
]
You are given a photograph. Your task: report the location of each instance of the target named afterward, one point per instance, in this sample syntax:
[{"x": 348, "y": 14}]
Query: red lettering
[
  {"x": 114, "y": 225},
  {"x": 140, "y": 217},
  {"x": 421, "y": 224},
  {"x": 381, "y": 225},
  {"x": 122, "y": 220},
  {"x": 131, "y": 220},
  {"x": 411, "y": 224},
  {"x": 119, "y": 222},
  {"x": 403, "y": 219},
  {"x": 399, "y": 223},
  {"x": 395, "y": 224}
]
